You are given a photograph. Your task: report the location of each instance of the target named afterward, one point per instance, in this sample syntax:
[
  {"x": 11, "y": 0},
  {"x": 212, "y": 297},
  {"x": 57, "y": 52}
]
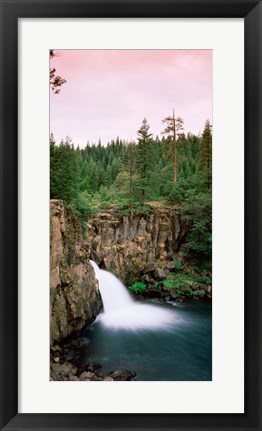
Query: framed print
[{"x": 130, "y": 300}]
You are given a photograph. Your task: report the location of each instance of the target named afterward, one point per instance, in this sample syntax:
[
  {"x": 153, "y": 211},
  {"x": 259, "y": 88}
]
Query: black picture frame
[{"x": 11, "y": 11}]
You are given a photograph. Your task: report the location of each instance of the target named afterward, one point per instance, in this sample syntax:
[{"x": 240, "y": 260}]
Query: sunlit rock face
[
  {"x": 74, "y": 295},
  {"x": 131, "y": 246}
]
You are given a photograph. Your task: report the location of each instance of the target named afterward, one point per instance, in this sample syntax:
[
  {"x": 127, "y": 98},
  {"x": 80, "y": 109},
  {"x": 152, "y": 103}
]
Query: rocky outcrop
[
  {"x": 131, "y": 246},
  {"x": 74, "y": 295},
  {"x": 66, "y": 371}
]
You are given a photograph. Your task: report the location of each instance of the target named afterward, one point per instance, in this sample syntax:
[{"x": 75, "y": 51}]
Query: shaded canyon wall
[
  {"x": 138, "y": 245},
  {"x": 74, "y": 295}
]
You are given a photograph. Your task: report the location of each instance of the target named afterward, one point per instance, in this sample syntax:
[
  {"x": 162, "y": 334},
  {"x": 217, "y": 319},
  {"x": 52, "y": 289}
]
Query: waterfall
[{"x": 122, "y": 312}]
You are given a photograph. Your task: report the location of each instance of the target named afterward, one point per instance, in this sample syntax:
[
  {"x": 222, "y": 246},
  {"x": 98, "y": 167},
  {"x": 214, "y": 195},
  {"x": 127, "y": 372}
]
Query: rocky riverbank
[
  {"x": 61, "y": 369},
  {"x": 174, "y": 282}
]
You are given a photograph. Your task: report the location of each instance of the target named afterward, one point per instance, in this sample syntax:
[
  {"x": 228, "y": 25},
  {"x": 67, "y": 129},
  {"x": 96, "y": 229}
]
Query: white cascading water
[{"x": 122, "y": 312}]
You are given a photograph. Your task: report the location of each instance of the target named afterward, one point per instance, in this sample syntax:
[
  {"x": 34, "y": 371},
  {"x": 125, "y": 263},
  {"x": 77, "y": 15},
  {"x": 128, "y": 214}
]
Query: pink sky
[{"x": 109, "y": 92}]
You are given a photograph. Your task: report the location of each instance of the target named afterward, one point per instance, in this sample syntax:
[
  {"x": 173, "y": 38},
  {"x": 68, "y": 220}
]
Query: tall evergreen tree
[
  {"x": 54, "y": 166},
  {"x": 143, "y": 159},
  {"x": 205, "y": 153},
  {"x": 130, "y": 167},
  {"x": 65, "y": 172},
  {"x": 172, "y": 129}
]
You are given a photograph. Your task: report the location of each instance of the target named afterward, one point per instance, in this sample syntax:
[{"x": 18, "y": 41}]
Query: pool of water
[{"x": 183, "y": 351}]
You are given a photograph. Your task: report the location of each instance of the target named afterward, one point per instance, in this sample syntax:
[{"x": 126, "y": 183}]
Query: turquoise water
[{"x": 182, "y": 351}]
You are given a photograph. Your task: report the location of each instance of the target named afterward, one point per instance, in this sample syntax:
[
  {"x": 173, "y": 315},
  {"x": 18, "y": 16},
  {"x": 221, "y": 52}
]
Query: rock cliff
[
  {"x": 74, "y": 295},
  {"x": 138, "y": 245}
]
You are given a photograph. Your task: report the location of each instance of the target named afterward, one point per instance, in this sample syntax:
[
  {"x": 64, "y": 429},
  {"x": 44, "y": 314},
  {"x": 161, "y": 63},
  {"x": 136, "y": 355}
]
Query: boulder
[
  {"x": 146, "y": 279},
  {"x": 56, "y": 348},
  {"x": 122, "y": 374},
  {"x": 92, "y": 367},
  {"x": 201, "y": 293},
  {"x": 173, "y": 294},
  {"x": 149, "y": 267},
  {"x": 185, "y": 289},
  {"x": 63, "y": 371},
  {"x": 159, "y": 274},
  {"x": 208, "y": 289},
  {"x": 86, "y": 375},
  {"x": 170, "y": 265}
]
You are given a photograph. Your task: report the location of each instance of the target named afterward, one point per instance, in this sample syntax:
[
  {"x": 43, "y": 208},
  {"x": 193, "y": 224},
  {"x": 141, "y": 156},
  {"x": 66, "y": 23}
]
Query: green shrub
[
  {"x": 168, "y": 283},
  {"x": 205, "y": 279},
  {"x": 192, "y": 293},
  {"x": 137, "y": 287}
]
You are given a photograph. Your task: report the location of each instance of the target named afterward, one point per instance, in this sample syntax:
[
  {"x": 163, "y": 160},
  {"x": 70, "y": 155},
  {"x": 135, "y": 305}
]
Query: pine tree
[
  {"x": 101, "y": 172},
  {"x": 54, "y": 163},
  {"x": 93, "y": 176},
  {"x": 65, "y": 172},
  {"x": 55, "y": 80},
  {"x": 108, "y": 175},
  {"x": 143, "y": 159},
  {"x": 116, "y": 167},
  {"x": 205, "y": 154},
  {"x": 86, "y": 175},
  {"x": 174, "y": 125},
  {"x": 132, "y": 177}
]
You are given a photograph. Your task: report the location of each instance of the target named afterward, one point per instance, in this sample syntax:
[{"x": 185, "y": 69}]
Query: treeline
[{"x": 133, "y": 174}]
